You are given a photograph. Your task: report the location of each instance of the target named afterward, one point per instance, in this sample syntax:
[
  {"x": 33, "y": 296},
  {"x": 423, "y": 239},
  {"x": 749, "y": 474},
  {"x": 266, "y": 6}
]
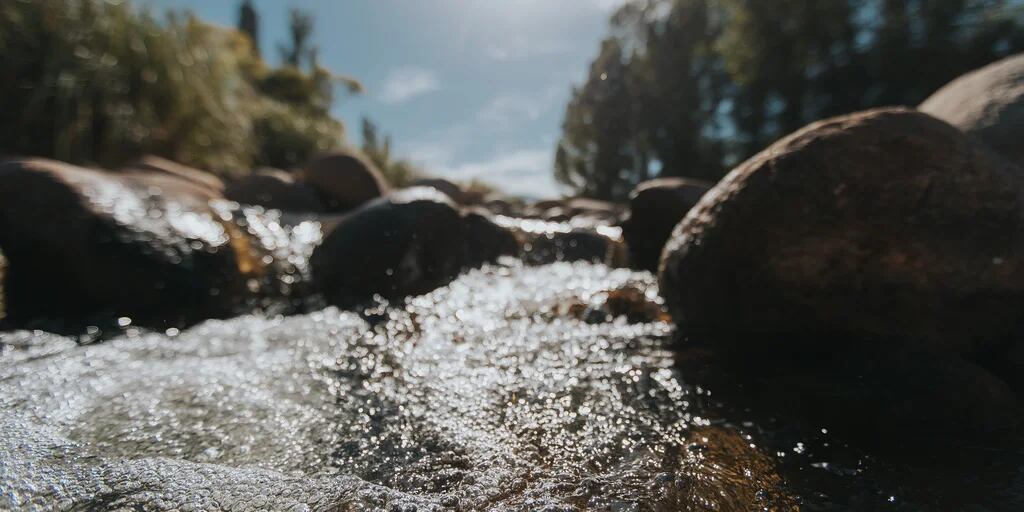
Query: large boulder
[
  {"x": 655, "y": 207},
  {"x": 407, "y": 243},
  {"x": 988, "y": 104},
  {"x": 887, "y": 225},
  {"x": 274, "y": 189},
  {"x": 82, "y": 243},
  {"x": 344, "y": 179}
]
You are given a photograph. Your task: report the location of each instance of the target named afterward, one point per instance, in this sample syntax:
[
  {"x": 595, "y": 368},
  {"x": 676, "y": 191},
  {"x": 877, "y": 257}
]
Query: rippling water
[{"x": 485, "y": 394}]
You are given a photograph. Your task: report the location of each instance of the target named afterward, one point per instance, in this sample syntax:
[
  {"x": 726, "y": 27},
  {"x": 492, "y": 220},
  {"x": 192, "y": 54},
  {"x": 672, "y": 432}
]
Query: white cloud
[
  {"x": 524, "y": 172},
  {"x": 404, "y": 83},
  {"x": 507, "y": 109},
  {"x": 521, "y": 48}
]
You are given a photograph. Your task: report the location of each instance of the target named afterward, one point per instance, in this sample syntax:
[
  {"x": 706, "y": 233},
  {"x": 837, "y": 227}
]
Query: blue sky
[{"x": 467, "y": 88}]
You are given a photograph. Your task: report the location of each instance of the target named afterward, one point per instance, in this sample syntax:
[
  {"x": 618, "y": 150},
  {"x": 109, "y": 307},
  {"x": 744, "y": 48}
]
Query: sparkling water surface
[{"x": 492, "y": 393}]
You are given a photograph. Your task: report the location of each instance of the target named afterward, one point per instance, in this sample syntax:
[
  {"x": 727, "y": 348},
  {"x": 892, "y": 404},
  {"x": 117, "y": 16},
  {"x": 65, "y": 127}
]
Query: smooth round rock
[
  {"x": 344, "y": 179},
  {"x": 408, "y": 243},
  {"x": 82, "y": 243},
  {"x": 655, "y": 207},
  {"x": 274, "y": 189},
  {"x": 988, "y": 104},
  {"x": 884, "y": 225}
]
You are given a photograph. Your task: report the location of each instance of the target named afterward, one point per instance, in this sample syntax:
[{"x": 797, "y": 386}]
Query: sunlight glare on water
[{"x": 474, "y": 396}]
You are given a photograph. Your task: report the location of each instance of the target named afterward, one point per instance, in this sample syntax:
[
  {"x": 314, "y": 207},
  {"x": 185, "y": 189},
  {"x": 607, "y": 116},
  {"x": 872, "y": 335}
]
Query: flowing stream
[{"x": 487, "y": 394}]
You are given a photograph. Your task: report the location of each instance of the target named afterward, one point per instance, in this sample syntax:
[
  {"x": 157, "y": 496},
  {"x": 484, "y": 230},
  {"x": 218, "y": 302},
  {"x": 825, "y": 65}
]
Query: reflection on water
[{"x": 480, "y": 395}]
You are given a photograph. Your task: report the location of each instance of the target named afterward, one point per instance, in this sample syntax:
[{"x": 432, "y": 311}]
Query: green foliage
[
  {"x": 286, "y": 136},
  {"x": 94, "y": 81},
  {"x": 397, "y": 172},
  {"x": 249, "y": 24},
  {"x": 692, "y": 87}
]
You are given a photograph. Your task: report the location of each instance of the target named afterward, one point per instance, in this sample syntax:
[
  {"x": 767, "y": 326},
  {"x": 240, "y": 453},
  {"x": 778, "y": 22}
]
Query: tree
[
  {"x": 377, "y": 148},
  {"x": 97, "y": 82},
  {"x": 597, "y": 155},
  {"x": 249, "y": 24},
  {"x": 692, "y": 87},
  {"x": 298, "y": 50}
]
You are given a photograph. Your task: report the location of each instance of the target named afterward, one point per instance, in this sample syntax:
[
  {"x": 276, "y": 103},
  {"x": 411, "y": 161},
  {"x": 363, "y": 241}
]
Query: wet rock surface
[
  {"x": 81, "y": 242},
  {"x": 885, "y": 225},
  {"x": 655, "y": 207},
  {"x": 408, "y": 243},
  {"x": 472, "y": 397},
  {"x": 987, "y": 104}
]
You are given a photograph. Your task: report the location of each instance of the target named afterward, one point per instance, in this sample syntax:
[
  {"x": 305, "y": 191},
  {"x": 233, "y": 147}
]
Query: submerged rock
[
  {"x": 408, "y": 243},
  {"x": 81, "y": 242},
  {"x": 988, "y": 104},
  {"x": 887, "y": 224},
  {"x": 344, "y": 180},
  {"x": 655, "y": 207},
  {"x": 274, "y": 189}
]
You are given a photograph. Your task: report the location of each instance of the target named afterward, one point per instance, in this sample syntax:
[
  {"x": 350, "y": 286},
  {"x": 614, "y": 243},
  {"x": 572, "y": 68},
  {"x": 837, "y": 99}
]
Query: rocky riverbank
[{"x": 821, "y": 319}]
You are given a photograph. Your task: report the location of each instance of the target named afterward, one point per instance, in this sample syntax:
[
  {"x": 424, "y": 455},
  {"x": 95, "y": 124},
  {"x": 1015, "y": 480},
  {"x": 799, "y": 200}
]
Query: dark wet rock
[
  {"x": 407, "y": 243},
  {"x": 84, "y": 243},
  {"x": 573, "y": 245},
  {"x": 157, "y": 165},
  {"x": 486, "y": 240},
  {"x": 274, "y": 189},
  {"x": 655, "y": 207},
  {"x": 882, "y": 225},
  {"x": 987, "y": 104},
  {"x": 344, "y": 179},
  {"x": 872, "y": 394}
]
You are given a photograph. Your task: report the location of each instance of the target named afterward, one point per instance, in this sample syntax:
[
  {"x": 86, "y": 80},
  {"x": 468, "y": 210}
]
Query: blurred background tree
[
  {"x": 97, "y": 82},
  {"x": 377, "y": 147},
  {"x": 692, "y": 87}
]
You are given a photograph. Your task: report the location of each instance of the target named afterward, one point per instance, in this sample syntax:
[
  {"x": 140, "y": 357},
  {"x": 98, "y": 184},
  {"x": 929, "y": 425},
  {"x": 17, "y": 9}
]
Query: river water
[{"x": 491, "y": 393}]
